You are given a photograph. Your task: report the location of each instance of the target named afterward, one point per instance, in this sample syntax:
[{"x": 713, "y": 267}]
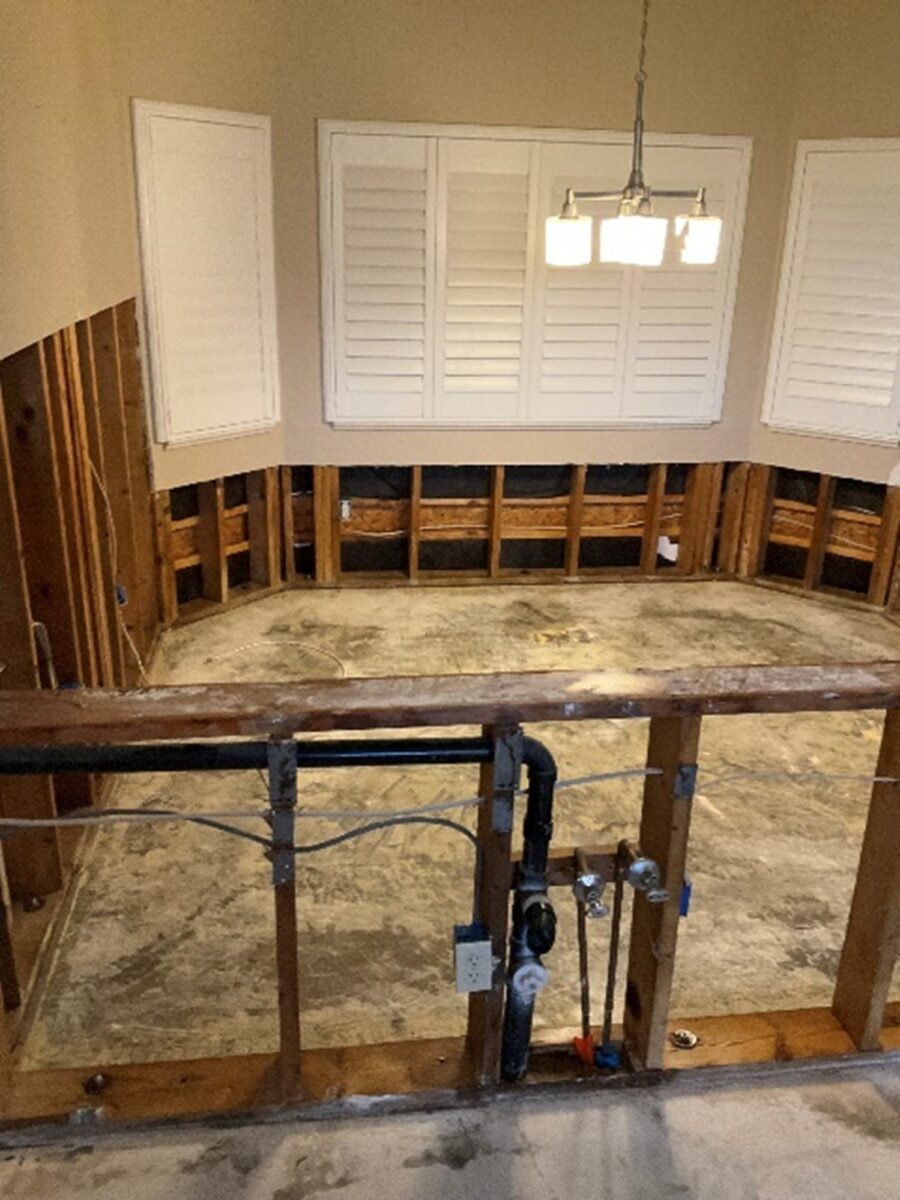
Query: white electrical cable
[{"x": 114, "y": 555}]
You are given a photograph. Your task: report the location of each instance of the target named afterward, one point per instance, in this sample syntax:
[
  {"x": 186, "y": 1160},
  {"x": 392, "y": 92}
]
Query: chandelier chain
[{"x": 642, "y": 56}]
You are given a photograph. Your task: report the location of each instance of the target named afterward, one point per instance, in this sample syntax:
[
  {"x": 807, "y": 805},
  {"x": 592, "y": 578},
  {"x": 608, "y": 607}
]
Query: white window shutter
[
  {"x": 438, "y": 308},
  {"x": 578, "y": 357},
  {"x": 205, "y": 208},
  {"x": 485, "y": 260},
  {"x": 680, "y": 314},
  {"x": 836, "y": 343},
  {"x": 382, "y": 240}
]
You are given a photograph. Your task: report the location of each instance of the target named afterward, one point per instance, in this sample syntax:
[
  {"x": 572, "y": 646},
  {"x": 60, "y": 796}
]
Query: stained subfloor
[
  {"x": 168, "y": 948},
  {"x": 833, "y": 1135}
]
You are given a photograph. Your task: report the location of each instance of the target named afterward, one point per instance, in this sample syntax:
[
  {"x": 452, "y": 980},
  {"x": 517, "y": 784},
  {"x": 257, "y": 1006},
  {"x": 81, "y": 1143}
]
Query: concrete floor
[
  {"x": 168, "y": 951},
  {"x": 831, "y": 1136}
]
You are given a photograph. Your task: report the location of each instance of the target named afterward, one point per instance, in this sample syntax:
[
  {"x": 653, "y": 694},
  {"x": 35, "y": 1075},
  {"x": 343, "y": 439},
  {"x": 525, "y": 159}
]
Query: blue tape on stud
[{"x": 686, "y": 888}]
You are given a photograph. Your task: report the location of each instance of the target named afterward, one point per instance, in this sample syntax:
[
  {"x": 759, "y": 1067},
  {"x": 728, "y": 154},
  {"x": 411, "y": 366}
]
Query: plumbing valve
[
  {"x": 644, "y": 876},
  {"x": 588, "y": 890}
]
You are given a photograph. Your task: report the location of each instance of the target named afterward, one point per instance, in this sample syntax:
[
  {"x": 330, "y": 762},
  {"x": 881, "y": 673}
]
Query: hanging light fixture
[{"x": 634, "y": 236}]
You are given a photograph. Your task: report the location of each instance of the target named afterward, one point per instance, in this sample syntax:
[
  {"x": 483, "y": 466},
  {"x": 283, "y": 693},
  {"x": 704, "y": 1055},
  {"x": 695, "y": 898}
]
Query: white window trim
[
  {"x": 792, "y": 234},
  {"x": 142, "y": 113},
  {"x": 327, "y": 128}
]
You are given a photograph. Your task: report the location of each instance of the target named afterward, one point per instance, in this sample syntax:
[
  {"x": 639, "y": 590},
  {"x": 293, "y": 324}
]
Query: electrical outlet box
[
  {"x": 346, "y": 509},
  {"x": 474, "y": 959}
]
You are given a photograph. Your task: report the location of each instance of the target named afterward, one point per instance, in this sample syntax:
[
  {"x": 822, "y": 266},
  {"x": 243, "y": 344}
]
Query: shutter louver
[
  {"x": 384, "y": 211},
  {"x": 579, "y": 324},
  {"x": 484, "y": 225},
  {"x": 836, "y": 349}
]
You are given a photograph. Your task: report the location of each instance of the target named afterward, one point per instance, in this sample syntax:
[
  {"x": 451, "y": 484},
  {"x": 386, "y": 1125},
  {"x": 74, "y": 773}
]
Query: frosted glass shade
[
  {"x": 634, "y": 240},
  {"x": 568, "y": 241},
  {"x": 701, "y": 236}
]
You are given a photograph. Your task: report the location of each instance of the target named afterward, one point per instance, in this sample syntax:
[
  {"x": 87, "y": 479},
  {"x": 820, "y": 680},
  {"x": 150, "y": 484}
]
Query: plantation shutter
[
  {"x": 383, "y": 264},
  {"x": 834, "y": 359},
  {"x": 485, "y": 258},
  {"x": 438, "y": 308},
  {"x": 679, "y": 313},
  {"x": 207, "y": 257},
  {"x": 580, "y": 312}
]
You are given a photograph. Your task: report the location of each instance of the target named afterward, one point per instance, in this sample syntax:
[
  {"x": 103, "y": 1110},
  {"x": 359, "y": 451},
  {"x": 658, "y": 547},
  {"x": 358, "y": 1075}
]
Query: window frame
[{"x": 328, "y": 218}]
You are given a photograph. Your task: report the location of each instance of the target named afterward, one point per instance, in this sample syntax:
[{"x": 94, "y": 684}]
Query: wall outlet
[
  {"x": 474, "y": 959},
  {"x": 345, "y": 510}
]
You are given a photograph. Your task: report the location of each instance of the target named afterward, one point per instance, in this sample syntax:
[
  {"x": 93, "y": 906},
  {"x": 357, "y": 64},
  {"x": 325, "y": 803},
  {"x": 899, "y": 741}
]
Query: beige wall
[{"x": 725, "y": 67}]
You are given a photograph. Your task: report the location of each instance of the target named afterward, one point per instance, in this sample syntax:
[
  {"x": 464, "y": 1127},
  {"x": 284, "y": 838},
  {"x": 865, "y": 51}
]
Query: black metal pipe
[
  {"x": 241, "y": 756},
  {"x": 534, "y": 921}
]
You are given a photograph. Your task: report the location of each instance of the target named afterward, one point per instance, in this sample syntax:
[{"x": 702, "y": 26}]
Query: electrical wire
[
  {"x": 114, "y": 816},
  {"x": 114, "y": 556},
  {"x": 374, "y": 826}
]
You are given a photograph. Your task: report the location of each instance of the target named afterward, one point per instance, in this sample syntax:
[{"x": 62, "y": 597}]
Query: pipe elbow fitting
[{"x": 539, "y": 924}]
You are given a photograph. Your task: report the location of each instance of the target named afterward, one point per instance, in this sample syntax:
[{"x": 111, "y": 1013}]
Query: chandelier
[{"x": 634, "y": 236}]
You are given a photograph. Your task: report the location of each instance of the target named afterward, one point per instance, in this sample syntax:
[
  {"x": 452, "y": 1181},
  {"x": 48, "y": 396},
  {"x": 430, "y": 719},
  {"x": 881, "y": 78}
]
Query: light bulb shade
[
  {"x": 568, "y": 241},
  {"x": 700, "y": 239},
  {"x": 634, "y": 240}
]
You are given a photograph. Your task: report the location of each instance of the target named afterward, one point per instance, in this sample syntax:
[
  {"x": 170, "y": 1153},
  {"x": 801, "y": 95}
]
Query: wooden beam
[
  {"x": 872, "y": 941},
  {"x": 497, "y": 788},
  {"x": 495, "y": 533},
  {"x": 735, "y": 493},
  {"x": 211, "y": 540},
  {"x": 283, "y": 799},
  {"x": 264, "y": 526},
  {"x": 656, "y": 495},
  {"x": 886, "y": 549},
  {"x": 88, "y": 717},
  {"x": 59, "y": 411},
  {"x": 39, "y": 502},
  {"x": 167, "y": 590},
  {"x": 415, "y": 520},
  {"x": 99, "y": 517},
  {"x": 136, "y": 435},
  {"x": 707, "y": 542},
  {"x": 665, "y": 825},
  {"x": 327, "y": 523},
  {"x": 110, "y": 425},
  {"x": 755, "y": 523},
  {"x": 289, "y": 562},
  {"x": 574, "y": 518},
  {"x": 815, "y": 556},
  {"x": 32, "y": 859}
]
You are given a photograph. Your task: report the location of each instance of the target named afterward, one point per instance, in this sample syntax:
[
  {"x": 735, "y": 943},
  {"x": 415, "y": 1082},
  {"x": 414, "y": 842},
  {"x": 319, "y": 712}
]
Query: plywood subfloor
[{"x": 168, "y": 951}]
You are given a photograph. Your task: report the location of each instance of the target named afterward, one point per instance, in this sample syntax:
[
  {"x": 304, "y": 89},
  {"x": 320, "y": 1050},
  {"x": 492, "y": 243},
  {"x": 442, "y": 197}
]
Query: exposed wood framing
[
  {"x": 656, "y": 494},
  {"x": 495, "y": 535},
  {"x": 415, "y": 520},
  {"x": 755, "y": 521},
  {"x": 497, "y": 787},
  {"x": 211, "y": 540},
  {"x": 886, "y": 550},
  {"x": 675, "y": 700},
  {"x": 74, "y": 480},
  {"x": 815, "y": 555},
  {"x": 872, "y": 942},
  {"x": 326, "y": 518},
  {"x": 31, "y": 860},
  {"x": 722, "y": 524},
  {"x": 574, "y": 518},
  {"x": 665, "y": 826},
  {"x": 264, "y": 527}
]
